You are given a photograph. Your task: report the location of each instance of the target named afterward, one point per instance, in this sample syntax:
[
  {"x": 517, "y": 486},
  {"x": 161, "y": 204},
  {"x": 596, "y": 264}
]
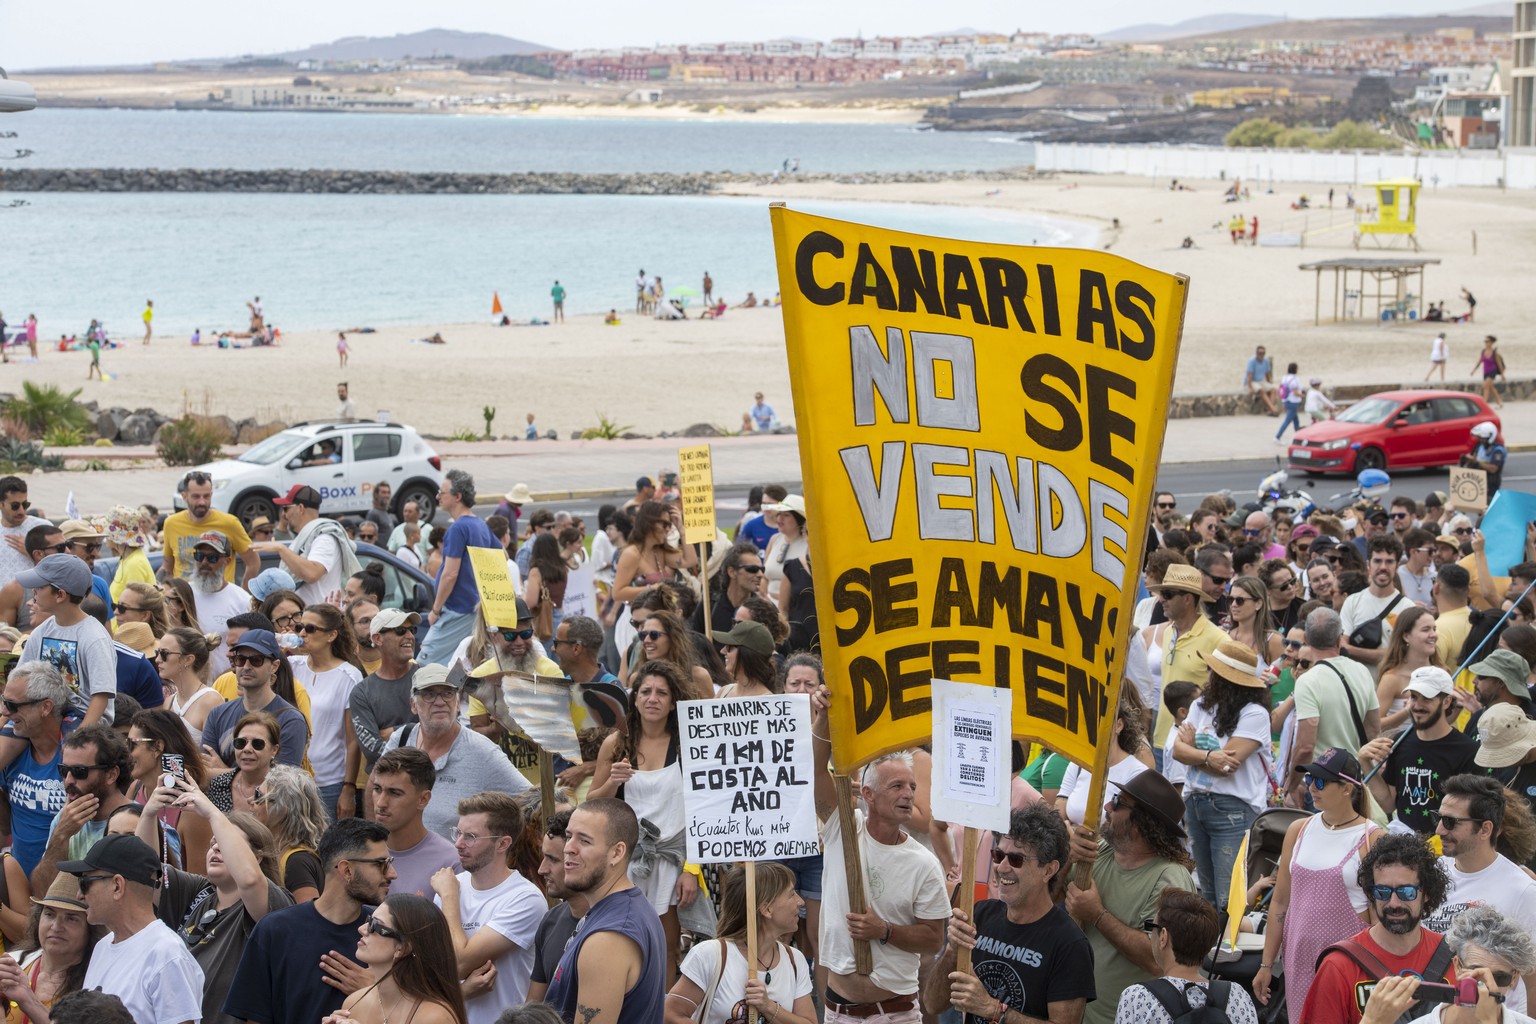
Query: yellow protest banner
[
  {"x": 980, "y": 428},
  {"x": 696, "y": 479},
  {"x": 498, "y": 601}
]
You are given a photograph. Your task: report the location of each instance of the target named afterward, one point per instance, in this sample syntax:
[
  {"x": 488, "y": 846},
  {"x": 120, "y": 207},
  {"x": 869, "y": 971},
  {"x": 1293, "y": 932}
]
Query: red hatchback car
[{"x": 1392, "y": 430}]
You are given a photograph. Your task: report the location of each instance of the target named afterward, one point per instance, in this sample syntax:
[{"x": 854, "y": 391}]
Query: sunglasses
[
  {"x": 253, "y": 660},
  {"x": 1303, "y": 546},
  {"x": 1287, "y": 585},
  {"x": 13, "y": 706},
  {"x": 90, "y": 549},
  {"x": 161, "y": 654},
  {"x": 754, "y": 569},
  {"x": 1384, "y": 893},
  {"x": 1317, "y": 782},
  {"x": 206, "y": 557},
  {"x": 1014, "y": 858},
  {"x": 58, "y": 549},
  {"x": 367, "y": 536},
  {"x": 1167, "y": 504},
  {"x": 1238, "y": 602},
  {"x": 1303, "y": 664},
  {"x": 1450, "y": 821},
  {"x": 1251, "y": 533},
  {"x": 310, "y": 627},
  {"x": 510, "y": 635},
  {"x": 79, "y": 771},
  {"x": 650, "y": 634},
  {"x": 255, "y": 743},
  {"x": 1223, "y": 580},
  {"x": 1121, "y": 802},
  {"x": 124, "y": 609},
  {"x": 1399, "y": 515},
  {"x": 86, "y": 881},
  {"x": 1293, "y": 644},
  {"x": 1152, "y": 926},
  {"x": 1503, "y": 979},
  {"x": 377, "y": 927},
  {"x": 1462, "y": 530},
  {"x": 397, "y": 631},
  {"x": 19, "y": 506},
  {"x": 639, "y": 624}
]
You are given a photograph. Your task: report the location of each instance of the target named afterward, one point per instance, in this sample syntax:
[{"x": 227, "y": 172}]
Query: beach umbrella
[
  {"x": 495, "y": 304},
  {"x": 683, "y": 292}
]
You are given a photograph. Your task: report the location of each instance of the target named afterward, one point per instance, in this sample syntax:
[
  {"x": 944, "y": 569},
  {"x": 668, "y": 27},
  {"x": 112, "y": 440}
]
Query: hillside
[
  {"x": 1336, "y": 29},
  {"x": 436, "y": 42},
  {"x": 1155, "y": 32}
]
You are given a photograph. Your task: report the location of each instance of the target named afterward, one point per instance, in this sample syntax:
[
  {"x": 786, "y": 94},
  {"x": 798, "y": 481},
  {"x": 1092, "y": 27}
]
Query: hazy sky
[{"x": 71, "y": 32}]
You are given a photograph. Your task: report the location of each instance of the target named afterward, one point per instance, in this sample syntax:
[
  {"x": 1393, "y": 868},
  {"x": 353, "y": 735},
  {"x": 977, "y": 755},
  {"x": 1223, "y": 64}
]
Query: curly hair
[
  {"x": 679, "y": 646},
  {"x": 1162, "y": 840},
  {"x": 1408, "y": 851},
  {"x": 1225, "y": 700},
  {"x": 765, "y": 613}
]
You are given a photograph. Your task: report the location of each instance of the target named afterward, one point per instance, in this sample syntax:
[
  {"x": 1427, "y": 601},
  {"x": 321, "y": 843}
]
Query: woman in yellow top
[{"x": 127, "y": 543}]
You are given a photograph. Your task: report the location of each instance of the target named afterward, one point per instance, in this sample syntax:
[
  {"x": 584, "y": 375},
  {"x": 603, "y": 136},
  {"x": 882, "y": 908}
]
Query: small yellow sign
[
  {"x": 498, "y": 601},
  {"x": 697, "y": 480}
]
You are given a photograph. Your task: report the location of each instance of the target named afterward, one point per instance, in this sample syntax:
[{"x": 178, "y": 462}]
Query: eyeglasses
[
  {"x": 1223, "y": 580},
  {"x": 1399, "y": 515},
  {"x": 86, "y": 881},
  {"x": 1503, "y": 979},
  {"x": 13, "y": 706},
  {"x": 1450, "y": 821},
  {"x": 124, "y": 609},
  {"x": 1461, "y": 530},
  {"x": 1384, "y": 893},
  {"x": 310, "y": 627},
  {"x": 1304, "y": 663},
  {"x": 1286, "y": 585},
  {"x": 286, "y": 621},
  {"x": 437, "y": 696},
  {"x": 1238, "y": 602},
  {"x": 1013, "y": 857},
  {"x": 470, "y": 839},
  {"x": 253, "y": 660},
  {"x": 19, "y": 506},
  {"x": 377, "y": 927},
  {"x": 1317, "y": 782},
  {"x": 161, "y": 654},
  {"x": 397, "y": 631},
  {"x": 90, "y": 548},
  {"x": 254, "y": 742},
  {"x": 650, "y": 634},
  {"x": 510, "y": 635},
  {"x": 379, "y": 862},
  {"x": 79, "y": 771},
  {"x": 754, "y": 569},
  {"x": 1167, "y": 504}
]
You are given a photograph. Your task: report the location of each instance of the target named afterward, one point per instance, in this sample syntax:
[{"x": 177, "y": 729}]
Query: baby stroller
[{"x": 1266, "y": 838}]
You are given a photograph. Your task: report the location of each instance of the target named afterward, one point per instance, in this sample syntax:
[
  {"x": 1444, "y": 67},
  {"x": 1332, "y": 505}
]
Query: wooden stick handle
[
  {"x": 967, "y": 901},
  {"x": 863, "y": 958},
  {"x": 751, "y": 869}
]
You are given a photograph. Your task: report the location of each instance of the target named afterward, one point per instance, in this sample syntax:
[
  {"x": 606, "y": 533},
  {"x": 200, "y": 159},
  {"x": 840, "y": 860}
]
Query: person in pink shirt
[{"x": 1258, "y": 530}]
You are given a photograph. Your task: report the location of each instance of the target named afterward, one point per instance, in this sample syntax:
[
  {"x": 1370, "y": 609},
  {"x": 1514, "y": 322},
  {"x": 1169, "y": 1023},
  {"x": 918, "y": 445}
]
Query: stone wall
[
  {"x": 41, "y": 179},
  {"x": 1186, "y": 407}
]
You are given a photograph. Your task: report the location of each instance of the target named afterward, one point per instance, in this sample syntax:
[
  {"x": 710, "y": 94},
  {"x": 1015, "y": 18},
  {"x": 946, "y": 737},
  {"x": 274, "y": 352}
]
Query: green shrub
[
  {"x": 606, "y": 430},
  {"x": 465, "y": 434},
  {"x": 1258, "y": 131},
  {"x": 63, "y": 437},
  {"x": 43, "y": 407},
  {"x": 1354, "y": 135},
  {"x": 1297, "y": 138},
  {"x": 189, "y": 442}
]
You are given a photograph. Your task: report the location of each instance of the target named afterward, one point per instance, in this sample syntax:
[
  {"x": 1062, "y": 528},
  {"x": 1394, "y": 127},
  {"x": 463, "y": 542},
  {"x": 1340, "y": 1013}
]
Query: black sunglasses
[
  {"x": 19, "y": 506},
  {"x": 510, "y": 635},
  {"x": 1013, "y": 857},
  {"x": 310, "y": 627},
  {"x": 377, "y": 927},
  {"x": 123, "y": 609},
  {"x": 253, "y": 660},
  {"x": 206, "y": 557},
  {"x": 650, "y": 634},
  {"x": 1503, "y": 979},
  {"x": 754, "y": 569},
  {"x": 13, "y": 706},
  {"x": 1450, "y": 821},
  {"x": 255, "y": 743},
  {"x": 86, "y": 881},
  {"x": 79, "y": 771},
  {"x": 397, "y": 631},
  {"x": 90, "y": 548}
]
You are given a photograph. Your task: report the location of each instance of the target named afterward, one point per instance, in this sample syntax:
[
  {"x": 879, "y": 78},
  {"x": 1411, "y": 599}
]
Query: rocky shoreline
[{"x": 113, "y": 179}]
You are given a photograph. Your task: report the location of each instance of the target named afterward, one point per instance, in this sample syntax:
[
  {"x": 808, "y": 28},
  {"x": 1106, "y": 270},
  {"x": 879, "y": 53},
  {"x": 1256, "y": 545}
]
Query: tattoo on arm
[{"x": 587, "y": 1013}]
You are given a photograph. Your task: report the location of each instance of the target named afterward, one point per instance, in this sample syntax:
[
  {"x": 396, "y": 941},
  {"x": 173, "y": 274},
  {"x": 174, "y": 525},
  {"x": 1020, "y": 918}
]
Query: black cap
[
  {"x": 1335, "y": 766},
  {"x": 643, "y": 483},
  {"x": 124, "y": 855}
]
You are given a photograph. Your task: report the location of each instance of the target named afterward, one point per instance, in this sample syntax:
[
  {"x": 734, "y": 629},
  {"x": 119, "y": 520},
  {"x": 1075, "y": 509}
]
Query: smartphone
[{"x": 173, "y": 768}]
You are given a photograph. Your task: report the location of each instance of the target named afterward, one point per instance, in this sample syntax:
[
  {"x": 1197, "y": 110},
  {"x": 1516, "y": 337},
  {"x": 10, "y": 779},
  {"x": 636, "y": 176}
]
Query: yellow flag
[{"x": 1237, "y": 894}]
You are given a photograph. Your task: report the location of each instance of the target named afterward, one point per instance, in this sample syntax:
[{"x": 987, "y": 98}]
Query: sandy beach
[{"x": 653, "y": 375}]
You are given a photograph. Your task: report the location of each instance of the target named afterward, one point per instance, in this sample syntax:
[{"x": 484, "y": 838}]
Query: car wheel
[
  {"x": 254, "y": 504},
  {"x": 1370, "y": 458},
  {"x": 423, "y": 494}
]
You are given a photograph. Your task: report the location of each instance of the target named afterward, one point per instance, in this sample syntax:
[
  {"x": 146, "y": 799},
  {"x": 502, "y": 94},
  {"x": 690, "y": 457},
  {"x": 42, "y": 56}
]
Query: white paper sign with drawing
[{"x": 748, "y": 788}]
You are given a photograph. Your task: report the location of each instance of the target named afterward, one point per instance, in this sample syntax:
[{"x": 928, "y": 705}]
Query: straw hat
[
  {"x": 137, "y": 635},
  {"x": 63, "y": 894},
  {"x": 1182, "y": 579},
  {"x": 519, "y": 495},
  {"x": 1505, "y": 736},
  {"x": 1236, "y": 663}
]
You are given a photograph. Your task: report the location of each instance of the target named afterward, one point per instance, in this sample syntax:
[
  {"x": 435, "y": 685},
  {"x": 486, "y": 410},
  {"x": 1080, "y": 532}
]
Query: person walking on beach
[
  {"x": 93, "y": 345},
  {"x": 709, "y": 289},
  {"x": 1439, "y": 351},
  {"x": 558, "y": 294},
  {"x": 30, "y": 323},
  {"x": 1492, "y": 365},
  {"x": 149, "y": 317},
  {"x": 640, "y": 289},
  {"x": 1471, "y": 302},
  {"x": 257, "y": 321},
  {"x": 342, "y": 348}
]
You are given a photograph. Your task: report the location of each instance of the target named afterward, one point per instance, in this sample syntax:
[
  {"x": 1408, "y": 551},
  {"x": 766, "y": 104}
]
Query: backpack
[
  {"x": 1434, "y": 970},
  {"x": 1176, "y": 1002}
]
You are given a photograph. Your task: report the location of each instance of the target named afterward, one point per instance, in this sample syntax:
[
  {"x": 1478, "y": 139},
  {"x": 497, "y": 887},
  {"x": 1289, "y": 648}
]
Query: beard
[
  {"x": 1431, "y": 719},
  {"x": 205, "y": 583},
  {"x": 1398, "y": 920},
  {"x": 528, "y": 662}
]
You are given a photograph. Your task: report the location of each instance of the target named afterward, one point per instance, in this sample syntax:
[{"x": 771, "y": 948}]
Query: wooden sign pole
[
  {"x": 967, "y": 903},
  {"x": 863, "y": 958},
  {"x": 1092, "y": 813},
  {"x": 546, "y": 783},
  {"x": 709, "y": 618},
  {"x": 752, "y": 961}
]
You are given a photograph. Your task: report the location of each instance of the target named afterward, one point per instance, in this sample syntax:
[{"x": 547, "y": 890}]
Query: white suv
[{"x": 343, "y": 461}]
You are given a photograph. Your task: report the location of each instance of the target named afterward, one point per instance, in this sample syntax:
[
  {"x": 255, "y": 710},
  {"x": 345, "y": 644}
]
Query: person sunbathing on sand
[
  {"x": 750, "y": 302},
  {"x": 612, "y": 317},
  {"x": 713, "y": 312}
]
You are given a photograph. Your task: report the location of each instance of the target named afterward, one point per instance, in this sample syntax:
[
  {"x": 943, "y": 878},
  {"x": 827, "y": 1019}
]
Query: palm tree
[{"x": 43, "y": 407}]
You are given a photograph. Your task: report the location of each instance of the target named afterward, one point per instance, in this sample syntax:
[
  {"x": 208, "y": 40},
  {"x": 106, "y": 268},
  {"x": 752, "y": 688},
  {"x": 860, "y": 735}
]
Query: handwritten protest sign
[
  {"x": 980, "y": 429},
  {"x": 971, "y": 755},
  {"x": 580, "y": 593},
  {"x": 498, "y": 598},
  {"x": 696, "y": 479},
  {"x": 1469, "y": 489},
  {"x": 747, "y": 772}
]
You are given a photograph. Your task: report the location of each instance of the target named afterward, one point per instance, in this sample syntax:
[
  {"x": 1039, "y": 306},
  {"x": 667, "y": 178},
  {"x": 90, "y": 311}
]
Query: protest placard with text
[
  {"x": 498, "y": 598},
  {"x": 696, "y": 480},
  {"x": 748, "y": 790},
  {"x": 971, "y": 754},
  {"x": 980, "y": 428}
]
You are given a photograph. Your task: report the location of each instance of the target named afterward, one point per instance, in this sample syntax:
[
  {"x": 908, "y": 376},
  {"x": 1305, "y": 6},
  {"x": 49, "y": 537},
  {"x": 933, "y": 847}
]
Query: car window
[
  {"x": 1455, "y": 408},
  {"x": 1418, "y": 413},
  {"x": 1368, "y": 410},
  {"x": 375, "y": 446},
  {"x": 273, "y": 449},
  {"x": 399, "y": 589}
]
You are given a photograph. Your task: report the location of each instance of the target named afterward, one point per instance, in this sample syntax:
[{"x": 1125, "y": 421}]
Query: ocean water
[
  {"x": 473, "y": 142},
  {"x": 335, "y": 261}
]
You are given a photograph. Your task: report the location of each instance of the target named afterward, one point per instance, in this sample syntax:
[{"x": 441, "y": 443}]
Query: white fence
[{"x": 1514, "y": 169}]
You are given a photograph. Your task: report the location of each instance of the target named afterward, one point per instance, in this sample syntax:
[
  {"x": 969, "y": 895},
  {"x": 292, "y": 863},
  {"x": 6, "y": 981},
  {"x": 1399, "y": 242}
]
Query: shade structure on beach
[
  {"x": 683, "y": 292},
  {"x": 1391, "y": 277},
  {"x": 495, "y": 303}
]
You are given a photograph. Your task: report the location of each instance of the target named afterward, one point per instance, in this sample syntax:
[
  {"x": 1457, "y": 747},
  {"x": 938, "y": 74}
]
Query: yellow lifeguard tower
[{"x": 1397, "y": 204}]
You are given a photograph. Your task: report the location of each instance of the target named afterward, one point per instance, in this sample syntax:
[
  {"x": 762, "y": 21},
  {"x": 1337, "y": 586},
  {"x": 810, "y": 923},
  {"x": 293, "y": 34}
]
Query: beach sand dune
[{"x": 653, "y": 376}]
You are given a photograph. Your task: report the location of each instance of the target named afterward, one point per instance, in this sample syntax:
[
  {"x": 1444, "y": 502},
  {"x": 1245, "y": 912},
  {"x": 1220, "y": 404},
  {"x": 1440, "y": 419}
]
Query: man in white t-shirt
[
  {"x": 320, "y": 556},
  {"x": 139, "y": 960},
  {"x": 218, "y": 600},
  {"x": 1380, "y": 602},
  {"x": 493, "y": 912},
  {"x": 14, "y": 525},
  {"x": 908, "y": 909},
  {"x": 1469, "y": 822}
]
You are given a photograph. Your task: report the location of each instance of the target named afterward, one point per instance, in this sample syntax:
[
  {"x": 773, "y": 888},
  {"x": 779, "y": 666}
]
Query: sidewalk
[{"x": 564, "y": 470}]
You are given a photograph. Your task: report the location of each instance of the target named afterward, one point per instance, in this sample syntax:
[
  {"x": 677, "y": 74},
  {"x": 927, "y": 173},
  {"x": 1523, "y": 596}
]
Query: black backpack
[{"x": 1176, "y": 1001}]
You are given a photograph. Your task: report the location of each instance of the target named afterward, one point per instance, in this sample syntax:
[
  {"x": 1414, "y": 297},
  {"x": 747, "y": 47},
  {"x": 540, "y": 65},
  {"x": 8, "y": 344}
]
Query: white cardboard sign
[
  {"x": 748, "y": 790},
  {"x": 971, "y": 755}
]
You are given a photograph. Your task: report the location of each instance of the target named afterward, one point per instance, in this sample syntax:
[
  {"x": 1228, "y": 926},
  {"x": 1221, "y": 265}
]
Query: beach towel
[{"x": 329, "y": 527}]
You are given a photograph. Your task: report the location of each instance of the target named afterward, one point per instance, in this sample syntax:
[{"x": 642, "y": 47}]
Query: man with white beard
[
  {"x": 218, "y": 600},
  {"x": 512, "y": 650}
]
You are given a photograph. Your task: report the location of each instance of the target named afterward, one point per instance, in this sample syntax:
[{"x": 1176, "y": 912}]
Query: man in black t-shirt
[
  {"x": 1434, "y": 751},
  {"x": 1029, "y": 959}
]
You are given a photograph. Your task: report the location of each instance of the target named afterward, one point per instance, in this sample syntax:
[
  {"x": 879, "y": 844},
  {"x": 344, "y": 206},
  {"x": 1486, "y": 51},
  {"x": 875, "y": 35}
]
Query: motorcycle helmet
[{"x": 1485, "y": 430}]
